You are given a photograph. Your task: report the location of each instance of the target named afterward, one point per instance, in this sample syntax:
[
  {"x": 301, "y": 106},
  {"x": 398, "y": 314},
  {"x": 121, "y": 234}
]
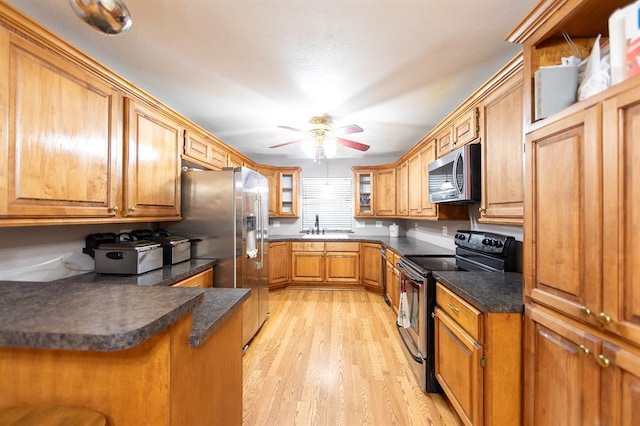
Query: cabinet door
[
  {"x": 620, "y": 385},
  {"x": 502, "y": 155},
  {"x": 152, "y": 164},
  {"x": 385, "y": 192},
  {"x": 371, "y": 265},
  {"x": 465, "y": 128},
  {"x": 342, "y": 267},
  {"x": 458, "y": 369},
  {"x": 307, "y": 266},
  {"x": 621, "y": 216},
  {"x": 61, "y": 137},
  {"x": 444, "y": 141},
  {"x": 364, "y": 194},
  {"x": 203, "y": 150},
  {"x": 278, "y": 264},
  {"x": 414, "y": 185},
  {"x": 288, "y": 194},
  {"x": 562, "y": 380},
  {"x": 402, "y": 195},
  {"x": 427, "y": 155},
  {"x": 563, "y": 217},
  {"x": 273, "y": 177}
]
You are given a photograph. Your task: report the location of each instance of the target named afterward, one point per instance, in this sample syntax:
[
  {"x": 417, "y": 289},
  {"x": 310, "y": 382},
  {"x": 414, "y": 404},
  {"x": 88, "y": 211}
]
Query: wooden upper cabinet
[
  {"x": 621, "y": 215},
  {"x": 284, "y": 190},
  {"x": 563, "y": 216},
  {"x": 402, "y": 189},
  {"x": 502, "y": 151},
  {"x": 427, "y": 155},
  {"x": 466, "y": 128},
  {"x": 272, "y": 177},
  {"x": 62, "y": 148},
  {"x": 385, "y": 191},
  {"x": 204, "y": 151},
  {"x": 414, "y": 184},
  {"x": 364, "y": 188},
  {"x": 444, "y": 141},
  {"x": 152, "y": 163}
]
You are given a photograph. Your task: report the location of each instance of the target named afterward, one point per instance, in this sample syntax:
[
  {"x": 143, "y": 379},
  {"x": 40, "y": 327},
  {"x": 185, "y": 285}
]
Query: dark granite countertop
[
  {"x": 401, "y": 245},
  {"x": 486, "y": 291},
  {"x": 89, "y": 312},
  {"x": 165, "y": 276},
  {"x": 77, "y": 316}
]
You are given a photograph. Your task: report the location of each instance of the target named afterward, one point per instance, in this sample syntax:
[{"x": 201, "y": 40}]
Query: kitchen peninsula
[{"x": 140, "y": 354}]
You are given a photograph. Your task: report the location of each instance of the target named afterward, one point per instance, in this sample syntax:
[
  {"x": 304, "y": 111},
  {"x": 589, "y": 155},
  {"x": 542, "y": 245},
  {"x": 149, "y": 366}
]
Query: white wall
[{"x": 46, "y": 253}]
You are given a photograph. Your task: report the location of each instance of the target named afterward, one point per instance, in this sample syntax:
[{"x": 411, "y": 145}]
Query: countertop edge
[
  {"x": 210, "y": 315},
  {"x": 502, "y": 304}
]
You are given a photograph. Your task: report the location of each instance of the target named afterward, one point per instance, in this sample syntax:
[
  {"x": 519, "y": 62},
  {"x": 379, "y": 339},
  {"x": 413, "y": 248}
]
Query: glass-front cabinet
[{"x": 364, "y": 193}]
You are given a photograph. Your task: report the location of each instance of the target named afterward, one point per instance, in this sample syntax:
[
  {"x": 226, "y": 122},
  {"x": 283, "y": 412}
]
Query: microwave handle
[{"x": 455, "y": 176}]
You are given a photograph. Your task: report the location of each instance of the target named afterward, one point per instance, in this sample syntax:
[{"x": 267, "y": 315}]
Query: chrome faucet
[{"x": 317, "y": 224}]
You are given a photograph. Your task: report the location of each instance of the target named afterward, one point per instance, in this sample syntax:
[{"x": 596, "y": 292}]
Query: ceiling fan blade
[
  {"x": 352, "y": 128},
  {"x": 284, "y": 144},
  {"x": 292, "y": 128},
  {"x": 352, "y": 144}
]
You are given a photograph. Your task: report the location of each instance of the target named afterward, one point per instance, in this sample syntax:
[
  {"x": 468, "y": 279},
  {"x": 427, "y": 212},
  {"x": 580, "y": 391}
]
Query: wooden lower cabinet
[
  {"x": 575, "y": 376},
  {"x": 279, "y": 256},
  {"x": 307, "y": 262},
  {"x": 162, "y": 381},
  {"x": 371, "y": 266},
  {"x": 342, "y": 263},
  {"x": 392, "y": 279},
  {"x": 478, "y": 360},
  {"x": 203, "y": 279}
]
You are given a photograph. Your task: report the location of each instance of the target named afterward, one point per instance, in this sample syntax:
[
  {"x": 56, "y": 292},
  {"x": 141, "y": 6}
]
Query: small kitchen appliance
[
  {"x": 175, "y": 249},
  {"x": 128, "y": 257}
]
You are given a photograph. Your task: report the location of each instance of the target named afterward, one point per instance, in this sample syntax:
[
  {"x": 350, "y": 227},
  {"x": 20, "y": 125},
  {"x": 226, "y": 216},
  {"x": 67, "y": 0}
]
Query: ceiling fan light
[
  {"x": 330, "y": 147},
  {"x": 308, "y": 146}
]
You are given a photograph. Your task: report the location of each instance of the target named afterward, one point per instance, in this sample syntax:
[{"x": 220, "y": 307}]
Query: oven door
[{"x": 413, "y": 336}]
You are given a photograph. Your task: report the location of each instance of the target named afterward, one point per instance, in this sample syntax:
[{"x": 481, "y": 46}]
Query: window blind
[{"x": 331, "y": 199}]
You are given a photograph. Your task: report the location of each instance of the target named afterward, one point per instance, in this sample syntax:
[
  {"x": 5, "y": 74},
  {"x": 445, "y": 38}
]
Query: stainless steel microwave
[{"x": 455, "y": 177}]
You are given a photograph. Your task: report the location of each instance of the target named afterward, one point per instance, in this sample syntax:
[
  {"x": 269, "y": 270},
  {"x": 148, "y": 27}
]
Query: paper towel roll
[{"x": 393, "y": 230}]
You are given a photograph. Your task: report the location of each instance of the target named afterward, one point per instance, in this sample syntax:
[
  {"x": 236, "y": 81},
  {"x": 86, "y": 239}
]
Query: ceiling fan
[{"x": 320, "y": 141}]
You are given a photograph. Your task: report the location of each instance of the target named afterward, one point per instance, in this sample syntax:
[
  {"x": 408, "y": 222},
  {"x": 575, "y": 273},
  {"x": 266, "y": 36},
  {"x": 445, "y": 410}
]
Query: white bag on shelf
[{"x": 597, "y": 75}]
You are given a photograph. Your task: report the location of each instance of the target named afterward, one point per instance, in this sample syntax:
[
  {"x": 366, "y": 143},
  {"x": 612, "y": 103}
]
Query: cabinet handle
[
  {"x": 132, "y": 209},
  {"x": 603, "y": 361},
  {"x": 585, "y": 311},
  {"x": 453, "y": 308},
  {"x": 481, "y": 210},
  {"x": 604, "y": 318},
  {"x": 114, "y": 209},
  {"x": 584, "y": 350}
]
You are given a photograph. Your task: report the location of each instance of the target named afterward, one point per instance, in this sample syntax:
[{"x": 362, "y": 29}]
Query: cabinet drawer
[
  {"x": 311, "y": 246},
  {"x": 203, "y": 279},
  {"x": 332, "y": 246},
  {"x": 464, "y": 314}
]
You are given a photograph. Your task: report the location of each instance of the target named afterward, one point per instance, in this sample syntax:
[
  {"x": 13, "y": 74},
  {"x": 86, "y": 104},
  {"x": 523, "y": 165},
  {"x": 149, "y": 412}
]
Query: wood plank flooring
[{"x": 333, "y": 357}]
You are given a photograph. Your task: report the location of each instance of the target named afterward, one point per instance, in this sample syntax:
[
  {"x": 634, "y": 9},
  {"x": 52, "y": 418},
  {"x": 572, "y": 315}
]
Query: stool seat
[{"x": 50, "y": 415}]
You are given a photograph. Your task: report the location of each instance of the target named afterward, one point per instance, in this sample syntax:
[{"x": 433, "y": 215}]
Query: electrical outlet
[
  {"x": 360, "y": 224},
  {"x": 415, "y": 225},
  {"x": 444, "y": 230},
  {"x": 378, "y": 224}
]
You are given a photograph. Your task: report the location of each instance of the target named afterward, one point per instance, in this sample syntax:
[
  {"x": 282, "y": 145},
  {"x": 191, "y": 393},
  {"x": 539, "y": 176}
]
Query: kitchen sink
[{"x": 326, "y": 236}]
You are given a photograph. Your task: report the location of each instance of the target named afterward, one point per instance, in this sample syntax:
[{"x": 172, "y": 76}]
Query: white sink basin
[{"x": 326, "y": 236}]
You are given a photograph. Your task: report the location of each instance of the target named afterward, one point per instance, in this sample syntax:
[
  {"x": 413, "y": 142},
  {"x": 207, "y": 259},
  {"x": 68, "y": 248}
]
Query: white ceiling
[{"x": 240, "y": 68}]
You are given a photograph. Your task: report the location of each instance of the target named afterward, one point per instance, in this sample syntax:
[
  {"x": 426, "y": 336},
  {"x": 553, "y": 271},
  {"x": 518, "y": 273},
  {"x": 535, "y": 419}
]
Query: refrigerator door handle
[{"x": 259, "y": 230}]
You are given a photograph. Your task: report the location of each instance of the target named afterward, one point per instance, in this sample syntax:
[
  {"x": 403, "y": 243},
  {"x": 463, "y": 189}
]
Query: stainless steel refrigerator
[{"x": 226, "y": 215}]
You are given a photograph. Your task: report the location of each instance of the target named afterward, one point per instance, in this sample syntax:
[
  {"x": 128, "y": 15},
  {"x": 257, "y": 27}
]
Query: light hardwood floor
[{"x": 333, "y": 357}]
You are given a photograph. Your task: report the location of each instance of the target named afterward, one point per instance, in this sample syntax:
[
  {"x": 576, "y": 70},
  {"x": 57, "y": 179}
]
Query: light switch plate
[
  {"x": 378, "y": 224},
  {"x": 360, "y": 224},
  {"x": 276, "y": 224},
  {"x": 444, "y": 230}
]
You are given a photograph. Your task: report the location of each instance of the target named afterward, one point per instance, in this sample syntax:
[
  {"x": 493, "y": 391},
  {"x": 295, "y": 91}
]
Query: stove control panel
[{"x": 485, "y": 242}]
